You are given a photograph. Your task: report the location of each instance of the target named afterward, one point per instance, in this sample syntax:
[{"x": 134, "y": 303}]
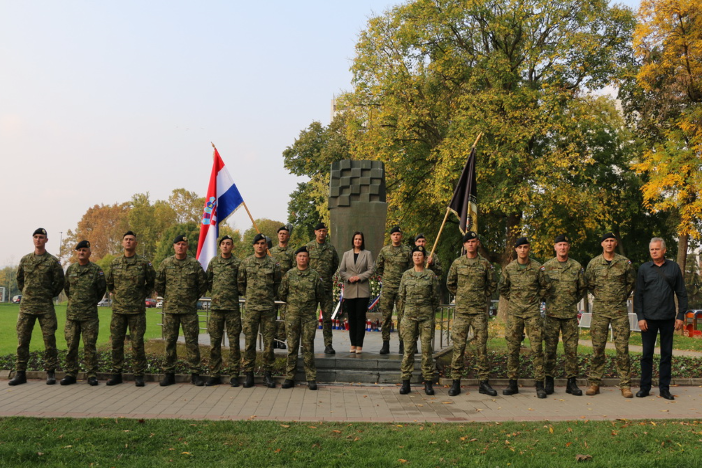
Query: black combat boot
[
  {"x": 114, "y": 380},
  {"x": 234, "y": 381},
  {"x": 68, "y": 380},
  {"x": 312, "y": 384},
  {"x": 405, "y": 389},
  {"x": 572, "y": 387},
  {"x": 213, "y": 380},
  {"x": 486, "y": 389},
  {"x": 512, "y": 388},
  {"x": 93, "y": 381},
  {"x": 19, "y": 378},
  {"x": 288, "y": 384},
  {"x": 540, "y": 392},
  {"x": 196, "y": 380},
  {"x": 268, "y": 378},
  {"x": 168, "y": 379},
  {"x": 281, "y": 345},
  {"x": 50, "y": 377},
  {"x": 402, "y": 347},
  {"x": 329, "y": 350},
  {"x": 455, "y": 388},
  {"x": 428, "y": 387},
  {"x": 549, "y": 385},
  {"x": 248, "y": 379},
  {"x": 139, "y": 380},
  {"x": 386, "y": 348}
]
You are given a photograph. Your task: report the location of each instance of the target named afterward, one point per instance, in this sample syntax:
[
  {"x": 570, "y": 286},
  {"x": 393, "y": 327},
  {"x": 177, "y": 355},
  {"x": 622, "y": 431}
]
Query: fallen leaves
[{"x": 579, "y": 457}]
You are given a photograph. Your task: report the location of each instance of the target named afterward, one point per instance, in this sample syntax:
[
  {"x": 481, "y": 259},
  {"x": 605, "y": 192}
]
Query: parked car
[
  {"x": 150, "y": 302},
  {"x": 105, "y": 303},
  {"x": 159, "y": 304},
  {"x": 16, "y": 299}
]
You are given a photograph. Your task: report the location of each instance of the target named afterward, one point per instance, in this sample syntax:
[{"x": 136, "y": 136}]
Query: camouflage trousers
[
  {"x": 221, "y": 321},
  {"x": 515, "y": 330},
  {"x": 568, "y": 328},
  {"x": 424, "y": 330},
  {"x": 190, "y": 324},
  {"x": 388, "y": 299},
  {"x": 327, "y": 310},
  {"x": 136, "y": 323},
  {"x": 73, "y": 330},
  {"x": 599, "y": 328},
  {"x": 301, "y": 330},
  {"x": 25, "y": 325},
  {"x": 280, "y": 334},
  {"x": 459, "y": 335},
  {"x": 253, "y": 320}
]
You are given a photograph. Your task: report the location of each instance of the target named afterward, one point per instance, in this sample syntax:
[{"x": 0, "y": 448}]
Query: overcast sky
[{"x": 102, "y": 100}]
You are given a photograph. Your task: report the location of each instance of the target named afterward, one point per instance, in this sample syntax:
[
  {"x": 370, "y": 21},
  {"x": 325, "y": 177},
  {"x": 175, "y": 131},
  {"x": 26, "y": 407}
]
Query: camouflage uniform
[
  {"x": 259, "y": 280},
  {"x": 222, "y": 274},
  {"x": 85, "y": 286},
  {"x": 40, "y": 278},
  {"x": 472, "y": 281},
  {"x": 325, "y": 261},
  {"x": 418, "y": 296},
  {"x": 285, "y": 256},
  {"x": 391, "y": 263},
  {"x": 181, "y": 283},
  {"x": 568, "y": 286},
  {"x": 436, "y": 266},
  {"x": 611, "y": 284},
  {"x": 302, "y": 290},
  {"x": 130, "y": 280},
  {"x": 524, "y": 286}
]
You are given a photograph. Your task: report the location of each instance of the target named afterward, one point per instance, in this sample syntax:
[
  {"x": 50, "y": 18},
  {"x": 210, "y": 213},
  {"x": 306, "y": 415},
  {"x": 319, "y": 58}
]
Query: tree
[
  {"x": 149, "y": 221},
  {"x": 187, "y": 206},
  {"x": 103, "y": 226}
]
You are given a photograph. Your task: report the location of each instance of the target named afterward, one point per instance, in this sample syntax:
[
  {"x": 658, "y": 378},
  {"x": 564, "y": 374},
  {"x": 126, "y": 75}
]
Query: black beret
[
  {"x": 180, "y": 238},
  {"x": 41, "y": 231},
  {"x": 225, "y": 238},
  {"x": 282, "y": 228},
  {"x": 561, "y": 238},
  {"x": 521, "y": 241},
  {"x": 320, "y": 226},
  {"x": 301, "y": 249},
  {"x": 259, "y": 237},
  {"x": 84, "y": 244},
  {"x": 419, "y": 248},
  {"x": 396, "y": 229},
  {"x": 129, "y": 233},
  {"x": 419, "y": 236},
  {"x": 469, "y": 236},
  {"x": 608, "y": 235}
]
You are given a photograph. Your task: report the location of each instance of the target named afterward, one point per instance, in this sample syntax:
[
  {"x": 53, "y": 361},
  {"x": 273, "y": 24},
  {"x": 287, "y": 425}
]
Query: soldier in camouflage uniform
[
  {"x": 130, "y": 281},
  {"x": 302, "y": 289},
  {"x": 419, "y": 300},
  {"x": 524, "y": 284},
  {"x": 85, "y": 286},
  {"x": 181, "y": 281},
  {"x": 259, "y": 280},
  {"x": 611, "y": 279},
  {"x": 471, "y": 279},
  {"x": 40, "y": 278},
  {"x": 393, "y": 260},
  {"x": 284, "y": 255},
  {"x": 325, "y": 261},
  {"x": 433, "y": 262},
  {"x": 568, "y": 286},
  {"x": 222, "y": 276}
]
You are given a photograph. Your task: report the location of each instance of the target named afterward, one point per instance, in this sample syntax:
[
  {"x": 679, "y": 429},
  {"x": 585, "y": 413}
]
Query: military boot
[
  {"x": 19, "y": 378},
  {"x": 50, "y": 377},
  {"x": 486, "y": 389},
  {"x": 281, "y": 345},
  {"x": 139, "y": 380},
  {"x": 268, "y": 378},
  {"x": 549, "y": 385},
  {"x": 386, "y": 347},
  {"x": 248, "y": 379},
  {"x": 593, "y": 389},
  {"x": 455, "y": 388},
  {"x": 213, "y": 380},
  {"x": 93, "y": 381},
  {"x": 234, "y": 381},
  {"x": 329, "y": 350},
  {"x": 405, "y": 389},
  {"x": 114, "y": 380},
  {"x": 428, "y": 387},
  {"x": 540, "y": 392},
  {"x": 512, "y": 388},
  {"x": 168, "y": 379},
  {"x": 572, "y": 387},
  {"x": 68, "y": 380},
  {"x": 402, "y": 347},
  {"x": 288, "y": 383},
  {"x": 196, "y": 380},
  {"x": 312, "y": 384}
]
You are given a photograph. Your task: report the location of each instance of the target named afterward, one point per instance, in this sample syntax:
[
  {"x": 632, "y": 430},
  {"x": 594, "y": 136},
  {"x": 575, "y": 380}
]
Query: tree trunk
[
  {"x": 682, "y": 251},
  {"x": 512, "y": 234}
]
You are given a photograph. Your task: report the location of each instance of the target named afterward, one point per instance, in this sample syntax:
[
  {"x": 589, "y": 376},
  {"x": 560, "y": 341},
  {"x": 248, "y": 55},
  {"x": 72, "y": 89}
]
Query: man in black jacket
[{"x": 657, "y": 282}]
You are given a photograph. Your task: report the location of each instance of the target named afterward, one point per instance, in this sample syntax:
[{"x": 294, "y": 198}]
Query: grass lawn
[{"x": 147, "y": 443}]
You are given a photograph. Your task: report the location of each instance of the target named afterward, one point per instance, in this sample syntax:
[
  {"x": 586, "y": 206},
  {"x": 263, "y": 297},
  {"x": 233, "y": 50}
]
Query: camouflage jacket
[
  {"x": 472, "y": 281},
  {"x": 130, "y": 280},
  {"x": 40, "y": 278},
  {"x": 302, "y": 290},
  {"x": 284, "y": 256},
  {"x": 181, "y": 283},
  {"x": 222, "y": 277},
  {"x": 610, "y": 283},
  {"x": 259, "y": 280},
  {"x": 418, "y": 294},
  {"x": 324, "y": 260},
  {"x": 391, "y": 263},
  {"x": 568, "y": 286},
  {"x": 85, "y": 286},
  {"x": 524, "y": 288}
]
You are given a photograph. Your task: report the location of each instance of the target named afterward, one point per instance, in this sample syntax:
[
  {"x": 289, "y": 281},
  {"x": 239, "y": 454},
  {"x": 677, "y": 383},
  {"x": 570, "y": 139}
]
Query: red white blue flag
[{"x": 223, "y": 199}]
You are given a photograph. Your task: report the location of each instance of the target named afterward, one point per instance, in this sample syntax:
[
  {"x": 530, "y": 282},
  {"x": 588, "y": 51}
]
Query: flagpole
[{"x": 448, "y": 208}]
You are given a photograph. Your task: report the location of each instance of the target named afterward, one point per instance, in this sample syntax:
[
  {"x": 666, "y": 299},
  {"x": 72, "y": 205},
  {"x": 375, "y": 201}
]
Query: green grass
[{"x": 148, "y": 443}]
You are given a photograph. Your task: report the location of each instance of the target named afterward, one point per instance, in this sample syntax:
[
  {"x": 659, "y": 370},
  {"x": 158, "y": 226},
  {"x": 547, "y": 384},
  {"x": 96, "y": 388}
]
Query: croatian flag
[{"x": 223, "y": 199}]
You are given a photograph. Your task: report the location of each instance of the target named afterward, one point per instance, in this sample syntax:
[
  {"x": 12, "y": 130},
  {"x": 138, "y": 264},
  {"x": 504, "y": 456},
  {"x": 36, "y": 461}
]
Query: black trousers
[
  {"x": 356, "y": 310},
  {"x": 648, "y": 338}
]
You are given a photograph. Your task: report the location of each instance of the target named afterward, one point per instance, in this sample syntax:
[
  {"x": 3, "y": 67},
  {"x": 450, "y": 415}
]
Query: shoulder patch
[
  {"x": 629, "y": 262},
  {"x": 543, "y": 268},
  {"x": 100, "y": 272}
]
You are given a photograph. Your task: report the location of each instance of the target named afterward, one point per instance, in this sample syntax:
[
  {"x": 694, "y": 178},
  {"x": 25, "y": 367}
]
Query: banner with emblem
[
  {"x": 464, "y": 203},
  {"x": 222, "y": 200}
]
